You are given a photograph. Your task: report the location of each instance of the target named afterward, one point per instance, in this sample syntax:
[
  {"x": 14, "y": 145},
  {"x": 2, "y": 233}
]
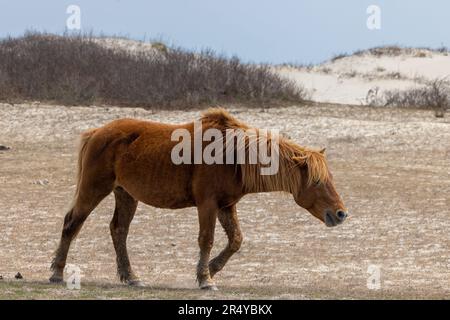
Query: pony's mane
[
  {"x": 291, "y": 156},
  {"x": 221, "y": 119}
]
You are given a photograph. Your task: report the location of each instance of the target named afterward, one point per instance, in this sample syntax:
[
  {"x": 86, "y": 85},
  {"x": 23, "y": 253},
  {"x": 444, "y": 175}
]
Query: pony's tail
[{"x": 84, "y": 139}]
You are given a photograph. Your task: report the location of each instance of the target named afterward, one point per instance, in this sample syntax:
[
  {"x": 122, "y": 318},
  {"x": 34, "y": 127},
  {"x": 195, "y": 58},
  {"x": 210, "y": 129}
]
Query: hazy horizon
[{"x": 285, "y": 31}]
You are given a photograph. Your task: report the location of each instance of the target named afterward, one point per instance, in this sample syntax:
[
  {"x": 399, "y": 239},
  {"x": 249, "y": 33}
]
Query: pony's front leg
[{"x": 207, "y": 214}]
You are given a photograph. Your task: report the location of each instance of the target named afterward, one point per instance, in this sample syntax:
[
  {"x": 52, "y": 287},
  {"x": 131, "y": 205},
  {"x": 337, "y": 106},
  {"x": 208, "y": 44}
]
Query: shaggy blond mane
[
  {"x": 291, "y": 156},
  {"x": 220, "y": 118}
]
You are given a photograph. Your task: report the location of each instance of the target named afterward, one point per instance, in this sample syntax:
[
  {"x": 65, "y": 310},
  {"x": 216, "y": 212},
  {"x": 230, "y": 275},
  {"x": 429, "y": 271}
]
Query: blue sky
[{"x": 255, "y": 30}]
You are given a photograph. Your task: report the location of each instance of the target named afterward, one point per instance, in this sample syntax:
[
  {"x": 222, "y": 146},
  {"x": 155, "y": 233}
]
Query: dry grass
[
  {"x": 397, "y": 50},
  {"x": 435, "y": 95},
  {"x": 78, "y": 70},
  {"x": 20, "y": 290},
  {"x": 339, "y": 56}
]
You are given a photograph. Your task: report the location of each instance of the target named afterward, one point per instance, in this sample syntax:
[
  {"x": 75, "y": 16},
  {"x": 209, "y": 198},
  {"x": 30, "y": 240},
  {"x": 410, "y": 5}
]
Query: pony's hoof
[
  {"x": 56, "y": 279},
  {"x": 135, "y": 283},
  {"x": 209, "y": 287}
]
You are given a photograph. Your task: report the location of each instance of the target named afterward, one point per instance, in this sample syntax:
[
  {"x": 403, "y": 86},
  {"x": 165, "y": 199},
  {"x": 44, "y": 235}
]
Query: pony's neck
[{"x": 286, "y": 179}]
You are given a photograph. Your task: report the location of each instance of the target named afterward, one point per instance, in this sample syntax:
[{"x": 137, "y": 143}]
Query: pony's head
[{"x": 316, "y": 192}]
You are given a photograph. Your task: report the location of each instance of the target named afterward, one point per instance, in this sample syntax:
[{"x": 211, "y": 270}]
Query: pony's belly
[
  {"x": 170, "y": 203},
  {"x": 146, "y": 170},
  {"x": 157, "y": 187},
  {"x": 160, "y": 198}
]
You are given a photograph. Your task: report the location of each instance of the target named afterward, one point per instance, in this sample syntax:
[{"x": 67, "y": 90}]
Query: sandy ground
[
  {"x": 391, "y": 167},
  {"x": 348, "y": 80}
]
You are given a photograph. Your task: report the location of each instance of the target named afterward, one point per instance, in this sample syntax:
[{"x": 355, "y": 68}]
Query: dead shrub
[
  {"x": 75, "y": 70},
  {"x": 435, "y": 95}
]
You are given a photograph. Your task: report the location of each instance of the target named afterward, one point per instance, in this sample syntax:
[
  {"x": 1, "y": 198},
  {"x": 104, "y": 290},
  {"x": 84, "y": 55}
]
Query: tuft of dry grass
[
  {"x": 339, "y": 56},
  {"x": 397, "y": 50},
  {"x": 434, "y": 95},
  {"x": 77, "y": 70}
]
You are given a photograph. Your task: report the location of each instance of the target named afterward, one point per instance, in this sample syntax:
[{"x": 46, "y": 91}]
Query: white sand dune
[
  {"x": 353, "y": 79},
  {"x": 335, "y": 89}
]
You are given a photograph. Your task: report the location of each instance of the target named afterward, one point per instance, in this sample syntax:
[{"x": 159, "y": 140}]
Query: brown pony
[{"x": 132, "y": 158}]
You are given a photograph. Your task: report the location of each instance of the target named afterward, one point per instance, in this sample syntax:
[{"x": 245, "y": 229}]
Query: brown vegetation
[{"x": 77, "y": 70}]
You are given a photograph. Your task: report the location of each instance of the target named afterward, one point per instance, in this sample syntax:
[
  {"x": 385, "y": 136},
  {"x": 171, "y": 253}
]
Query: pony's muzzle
[{"x": 332, "y": 220}]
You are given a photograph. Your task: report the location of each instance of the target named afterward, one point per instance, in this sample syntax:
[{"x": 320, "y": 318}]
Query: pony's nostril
[{"x": 341, "y": 215}]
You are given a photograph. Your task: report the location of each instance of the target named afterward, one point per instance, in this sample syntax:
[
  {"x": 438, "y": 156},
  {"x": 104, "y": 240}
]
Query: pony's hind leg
[
  {"x": 123, "y": 214},
  {"x": 229, "y": 221},
  {"x": 73, "y": 221}
]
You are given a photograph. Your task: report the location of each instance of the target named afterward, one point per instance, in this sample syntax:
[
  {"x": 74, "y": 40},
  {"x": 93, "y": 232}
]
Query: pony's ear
[
  {"x": 300, "y": 160},
  {"x": 323, "y": 151}
]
